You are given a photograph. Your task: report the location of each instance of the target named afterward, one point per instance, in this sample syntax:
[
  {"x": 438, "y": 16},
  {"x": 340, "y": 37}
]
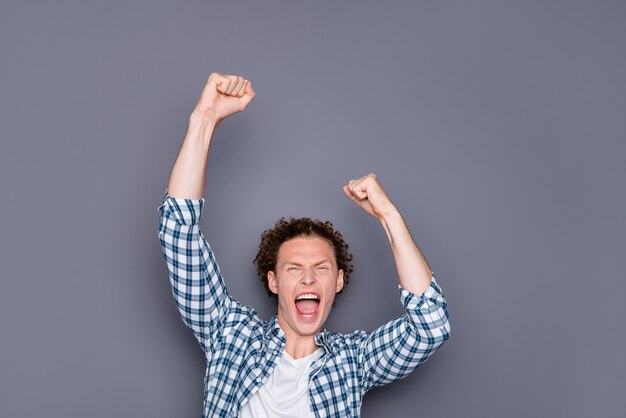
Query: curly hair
[{"x": 286, "y": 229}]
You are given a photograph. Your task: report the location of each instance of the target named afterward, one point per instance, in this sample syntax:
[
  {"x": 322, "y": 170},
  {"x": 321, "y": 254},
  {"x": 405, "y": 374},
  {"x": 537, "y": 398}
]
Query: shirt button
[
  {"x": 258, "y": 379},
  {"x": 275, "y": 352}
]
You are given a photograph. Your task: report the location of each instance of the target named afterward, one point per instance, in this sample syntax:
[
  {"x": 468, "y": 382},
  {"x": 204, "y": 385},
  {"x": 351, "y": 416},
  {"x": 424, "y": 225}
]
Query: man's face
[{"x": 306, "y": 280}]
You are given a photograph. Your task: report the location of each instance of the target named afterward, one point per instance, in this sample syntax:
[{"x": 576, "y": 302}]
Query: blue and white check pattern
[{"x": 241, "y": 349}]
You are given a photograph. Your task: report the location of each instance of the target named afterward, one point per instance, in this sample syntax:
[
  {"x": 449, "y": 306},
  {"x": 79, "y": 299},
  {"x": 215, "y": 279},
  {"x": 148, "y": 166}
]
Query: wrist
[
  {"x": 203, "y": 118},
  {"x": 201, "y": 126},
  {"x": 390, "y": 215}
]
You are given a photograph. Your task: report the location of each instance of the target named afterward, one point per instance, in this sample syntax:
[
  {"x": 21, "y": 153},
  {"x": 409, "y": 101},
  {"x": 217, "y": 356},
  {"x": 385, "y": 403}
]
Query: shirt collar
[
  {"x": 274, "y": 329},
  {"x": 322, "y": 338}
]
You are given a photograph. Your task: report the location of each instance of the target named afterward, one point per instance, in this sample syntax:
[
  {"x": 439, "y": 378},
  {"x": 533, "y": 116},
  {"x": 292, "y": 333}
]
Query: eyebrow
[{"x": 293, "y": 263}]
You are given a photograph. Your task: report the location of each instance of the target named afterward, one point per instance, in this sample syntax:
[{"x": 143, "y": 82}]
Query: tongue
[{"x": 306, "y": 307}]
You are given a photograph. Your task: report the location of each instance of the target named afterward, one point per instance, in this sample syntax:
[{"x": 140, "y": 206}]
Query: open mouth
[{"x": 307, "y": 305}]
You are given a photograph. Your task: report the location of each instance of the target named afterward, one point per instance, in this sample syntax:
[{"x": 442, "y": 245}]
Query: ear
[
  {"x": 272, "y": 282},
  {"x": 339, "y": 281}
]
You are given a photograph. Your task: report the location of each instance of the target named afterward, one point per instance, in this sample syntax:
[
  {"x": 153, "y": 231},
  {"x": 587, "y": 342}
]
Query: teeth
[{"x": 307, "y": 296}]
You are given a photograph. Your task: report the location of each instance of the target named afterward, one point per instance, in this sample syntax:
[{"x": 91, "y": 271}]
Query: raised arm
[
  {"x": 197, "y": 284},
  {"x": 395, "y": 349},
  {"x": 222, "y": 96}
]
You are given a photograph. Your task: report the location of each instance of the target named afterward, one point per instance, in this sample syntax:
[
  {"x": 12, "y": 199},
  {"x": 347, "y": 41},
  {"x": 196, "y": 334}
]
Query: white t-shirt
[{"x": 285, "y": 394}]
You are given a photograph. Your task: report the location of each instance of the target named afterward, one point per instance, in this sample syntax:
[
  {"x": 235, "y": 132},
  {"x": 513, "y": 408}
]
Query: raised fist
[
  {"x": 368, "y": 194},
  {"x": 224, "y": 95}
]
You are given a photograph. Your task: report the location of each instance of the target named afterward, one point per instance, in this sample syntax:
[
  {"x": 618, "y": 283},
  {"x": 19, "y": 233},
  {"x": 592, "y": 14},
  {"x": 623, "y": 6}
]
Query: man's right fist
[{"x": 224, "y": 95}]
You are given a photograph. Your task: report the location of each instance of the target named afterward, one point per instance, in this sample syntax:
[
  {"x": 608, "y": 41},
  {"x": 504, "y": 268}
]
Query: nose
[{"x": 308, "y": 276}]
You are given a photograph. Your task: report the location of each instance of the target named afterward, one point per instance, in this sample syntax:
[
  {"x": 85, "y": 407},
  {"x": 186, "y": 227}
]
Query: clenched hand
[
  {"x": 368, "y": 193},
  {"x": 224, "y": 95}
]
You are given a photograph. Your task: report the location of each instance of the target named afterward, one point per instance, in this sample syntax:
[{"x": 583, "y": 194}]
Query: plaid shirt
[{"x": 242, "y": 350}]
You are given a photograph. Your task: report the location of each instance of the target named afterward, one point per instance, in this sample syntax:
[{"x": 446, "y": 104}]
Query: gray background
[{"x": 498, "y": 129}]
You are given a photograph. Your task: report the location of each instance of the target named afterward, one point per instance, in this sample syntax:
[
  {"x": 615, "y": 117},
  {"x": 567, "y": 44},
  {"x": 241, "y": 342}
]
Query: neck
[
  {"x": 297, "y": 346},
  {"x": 300, "y": 347}
]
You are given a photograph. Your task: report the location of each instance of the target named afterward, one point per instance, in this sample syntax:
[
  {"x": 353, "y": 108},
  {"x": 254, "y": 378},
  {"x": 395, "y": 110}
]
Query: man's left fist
[{"x": 369, "y": 195}]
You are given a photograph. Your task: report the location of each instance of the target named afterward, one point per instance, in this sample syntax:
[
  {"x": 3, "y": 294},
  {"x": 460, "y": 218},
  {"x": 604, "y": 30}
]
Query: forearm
[
  {"x": 413, "y": 270},
  {"x": 188, "y": 178},
  {"x": 222, "y": 96}
]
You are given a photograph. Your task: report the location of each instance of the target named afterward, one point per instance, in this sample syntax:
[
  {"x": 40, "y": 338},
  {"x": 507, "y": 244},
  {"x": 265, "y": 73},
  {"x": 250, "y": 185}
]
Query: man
[{"x": 289, "y": 366}]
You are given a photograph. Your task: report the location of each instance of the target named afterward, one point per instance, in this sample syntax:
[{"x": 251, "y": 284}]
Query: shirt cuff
[
  {"x": 186, "y": 211},
  {"x": 413, "y": 301}
]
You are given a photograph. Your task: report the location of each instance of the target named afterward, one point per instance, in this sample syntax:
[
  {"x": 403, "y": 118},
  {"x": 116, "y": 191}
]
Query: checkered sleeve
[
  {"x": 197, "y": 285},
  {"x": 398, "y": 347}
]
